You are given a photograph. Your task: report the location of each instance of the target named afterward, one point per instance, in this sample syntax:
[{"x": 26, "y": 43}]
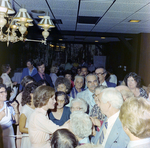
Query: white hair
[
  {"x": 81, "y": 124},
  {"x": 76, "y": 77},
  {"x": 113, "y": 96},
  {"x": 83, "y": 104}
]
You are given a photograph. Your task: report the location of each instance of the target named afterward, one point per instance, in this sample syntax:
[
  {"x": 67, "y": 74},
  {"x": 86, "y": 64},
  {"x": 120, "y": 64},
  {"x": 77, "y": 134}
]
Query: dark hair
[
  {"x": 2, "y": 85},
  {"x": 5, "y": 68},
  {"x": 30, "y": 88},
  {"x": 84, "y": 67},
  {"x": 63, "y": 138},
  {"x": 68, "y": 72},
  {"x": 29, "y": 60},
  {"x": 41, "y": 82},
  {"x": 39, "y": 63},
  {"x": 105, "y": 71},
  {"x": 135, "y": 77},
  {"x": 1, "y": 80},
  {"x": 60, "y": 93},
  {"x": 26, "y": 80},
  {"x": 64, "y": 81}
]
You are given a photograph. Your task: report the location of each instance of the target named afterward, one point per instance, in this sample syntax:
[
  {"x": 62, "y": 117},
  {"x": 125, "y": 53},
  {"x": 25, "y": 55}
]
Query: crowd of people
[{"x": 83, "y": 110}]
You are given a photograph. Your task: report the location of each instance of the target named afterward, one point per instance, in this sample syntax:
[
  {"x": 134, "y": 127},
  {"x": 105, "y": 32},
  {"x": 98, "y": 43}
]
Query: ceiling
[{"x": 89, "y": 20}]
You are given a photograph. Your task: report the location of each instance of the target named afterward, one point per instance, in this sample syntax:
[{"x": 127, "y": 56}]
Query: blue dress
[{"x": 65, "y": 116}]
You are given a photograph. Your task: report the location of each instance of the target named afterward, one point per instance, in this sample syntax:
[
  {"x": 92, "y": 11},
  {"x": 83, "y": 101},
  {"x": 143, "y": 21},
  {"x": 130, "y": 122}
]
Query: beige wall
[{"x": 144, "y": 61}]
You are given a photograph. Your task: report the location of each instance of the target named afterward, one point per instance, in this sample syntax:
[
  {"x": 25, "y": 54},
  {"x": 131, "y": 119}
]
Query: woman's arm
[
  {"x": 15, "y": 106},
  {"x": 22, "y": 123}
]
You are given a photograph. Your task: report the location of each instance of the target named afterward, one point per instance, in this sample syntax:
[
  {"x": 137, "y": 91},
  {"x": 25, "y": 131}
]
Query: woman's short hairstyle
[
  {"x": 54, "y": 69},
  {"x": 64, "y": 81},
  {"x": 80, "y": 124},
  {"x": 76, "y": 77},
  {"x": 5, "y": 68},
  {"x": 29, "y": 60},
  {"x": 135, "y": 77},
  {"x": 2, "y": 85},
  {"x": 113, "y": 96},
  {"x": 135, "y": 115},
  {"x": 63, "y": 138},
  {"x": 60, "y": 93},
  {"x": 82, "y": 102},
  {"x": 39, "y": 63},
  {"x": 26, "y": 97},
  {"x": 42, "y": 94},
  {"x": 26, "y": 80}
]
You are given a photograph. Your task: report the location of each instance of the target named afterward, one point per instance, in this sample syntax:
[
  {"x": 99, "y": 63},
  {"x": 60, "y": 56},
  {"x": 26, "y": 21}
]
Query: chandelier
[{"x": 20, "y": 22}]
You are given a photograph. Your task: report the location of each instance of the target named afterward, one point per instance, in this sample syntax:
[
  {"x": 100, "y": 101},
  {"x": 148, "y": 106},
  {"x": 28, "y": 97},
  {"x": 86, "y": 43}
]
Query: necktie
[
  {"x": 102, "y": 136},
  {"x": 44, "y": 77}
]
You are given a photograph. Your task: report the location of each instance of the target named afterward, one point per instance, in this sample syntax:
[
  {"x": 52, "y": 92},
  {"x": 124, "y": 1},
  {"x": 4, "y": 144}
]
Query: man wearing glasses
[
  {"x": 91, "y": 82},
  {"x": 101, "y": 73}
]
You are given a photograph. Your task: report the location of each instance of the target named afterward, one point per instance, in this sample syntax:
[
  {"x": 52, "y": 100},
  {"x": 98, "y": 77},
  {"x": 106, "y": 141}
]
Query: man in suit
[
  {"x": 91, "y": 82},
  {"x": 41, "y": 75},
  {"x": 111, "y": 134},
  {"x": 30, "y": 70},
  {"x": 101, "y": 73}
]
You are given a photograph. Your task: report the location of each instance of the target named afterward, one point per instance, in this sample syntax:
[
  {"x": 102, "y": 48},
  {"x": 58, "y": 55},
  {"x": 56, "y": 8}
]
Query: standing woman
[
  {"x": 10, "y": 117},
  {"x": 30, "y": 70},
  {"x": 40, "y": 127},
  {"x": 26, "y": 111},
  {"x": 61, "y": 113},
  {"x": 133, "y": 81},
  {"x": 6, "y": 69}
]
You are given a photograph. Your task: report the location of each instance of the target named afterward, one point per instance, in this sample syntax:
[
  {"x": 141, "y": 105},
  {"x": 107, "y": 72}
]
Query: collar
[
  {"x": 138, "y": 142},
  {"x": 104, "y": 83},
  {"x": 113, "y": 118}
]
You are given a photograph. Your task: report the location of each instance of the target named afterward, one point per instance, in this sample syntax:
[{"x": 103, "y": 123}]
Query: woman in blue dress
[{"x": 61, "y": 113}]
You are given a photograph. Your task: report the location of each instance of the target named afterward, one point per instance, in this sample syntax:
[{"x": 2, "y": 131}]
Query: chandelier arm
[{"x": 41, "y": 41}]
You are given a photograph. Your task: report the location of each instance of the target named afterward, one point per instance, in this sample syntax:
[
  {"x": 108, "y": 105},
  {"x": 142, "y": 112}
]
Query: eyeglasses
[
  {"x": 100, "y": 73},
  {"x": 94, "y": 95},
  {"x": 3, "y": 92},
  {"x": 61, "y": 101},
  {"x": 76, "y": 108}
]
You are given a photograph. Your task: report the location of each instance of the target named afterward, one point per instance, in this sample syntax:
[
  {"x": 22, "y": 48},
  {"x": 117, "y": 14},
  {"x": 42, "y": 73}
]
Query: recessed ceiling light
[
  {"x": 51, "y": 45},
  {"x": 102, "y": 38},
  {"x": 134, "y": 21},
  {"x": 96, "y": 41},
  {"x": 60, "y": 39}
]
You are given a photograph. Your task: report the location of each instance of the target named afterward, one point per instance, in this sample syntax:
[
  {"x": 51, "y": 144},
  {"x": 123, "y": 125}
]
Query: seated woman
[
  {"x": 40, "y": 127},
  {"x": 63, "y": 138},
  {"x": 61, "y": 113},
  {"x": 9, "y": 117},
  {"x": 26, "y": 111},
  {"x": 133, "y": 81},
  {"x": 81, "y": 126},
  {"x": 78, "y": 104}
]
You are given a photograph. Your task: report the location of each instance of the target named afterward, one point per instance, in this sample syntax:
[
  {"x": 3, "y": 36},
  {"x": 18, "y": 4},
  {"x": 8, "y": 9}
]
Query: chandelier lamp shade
[{"x": 19, "y": 22}]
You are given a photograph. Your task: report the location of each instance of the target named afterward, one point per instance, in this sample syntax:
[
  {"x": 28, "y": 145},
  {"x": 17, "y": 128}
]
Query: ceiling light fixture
[
  {"x": 20, "y": 22},
  {"x": 134, "y": 21},
  {"x": 96, "y": 41},
  {"x": 102, "y": 38}
]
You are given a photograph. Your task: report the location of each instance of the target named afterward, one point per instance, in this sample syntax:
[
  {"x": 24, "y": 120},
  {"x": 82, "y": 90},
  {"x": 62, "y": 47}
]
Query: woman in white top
[
  {"x": 40, "y": 127},
  {"x": 26, "y": 111},
  {"x": 6, "y": 69},
  {"x": 10, "y": 116}
]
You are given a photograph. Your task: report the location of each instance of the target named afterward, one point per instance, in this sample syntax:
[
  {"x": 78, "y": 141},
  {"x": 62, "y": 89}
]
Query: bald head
[{"x": 125, "y": 92}]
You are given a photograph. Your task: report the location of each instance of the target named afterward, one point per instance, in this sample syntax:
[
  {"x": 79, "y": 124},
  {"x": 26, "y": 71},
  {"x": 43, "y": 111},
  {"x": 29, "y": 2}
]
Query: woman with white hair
[
  {"x": 81, "y": 126},
  {"x": 78, "y": 104}
]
